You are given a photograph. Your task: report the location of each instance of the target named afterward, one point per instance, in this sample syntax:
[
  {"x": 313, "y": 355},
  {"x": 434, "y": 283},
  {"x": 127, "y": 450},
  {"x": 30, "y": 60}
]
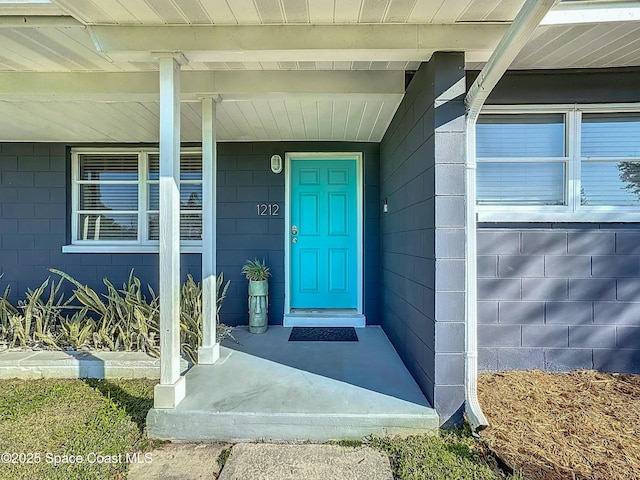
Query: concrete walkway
[{"x": 264, "y": 461}]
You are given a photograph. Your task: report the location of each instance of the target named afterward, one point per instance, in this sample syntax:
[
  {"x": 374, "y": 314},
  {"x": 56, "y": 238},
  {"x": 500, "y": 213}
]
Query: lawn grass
[
  {"x": 99, "y": 421},
  {"x": 107, "y": 418},
  {"x": 449, "y": 455}
]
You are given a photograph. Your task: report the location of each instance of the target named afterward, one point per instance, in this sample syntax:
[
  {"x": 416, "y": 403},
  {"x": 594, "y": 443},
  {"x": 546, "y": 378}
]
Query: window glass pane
[
  {"x": 610, "y": 183},
  {"x": 190, "y": 196},
  {"x": 190, "y": 166},
  {"x": 154, "y": 167},
  {"x": 108, "y": 196},
  {"x": 520, "y": 183},
  {"x": 611, "y": 135},
  {"x": 106, "y": 226},
  {"x": 109, "y": 167},
  {"x": 154, "y": 196},
  {"x": 538, "y": 135},
  {"x": 190, "y": 226},
  {"x": 153, "y": 226}
]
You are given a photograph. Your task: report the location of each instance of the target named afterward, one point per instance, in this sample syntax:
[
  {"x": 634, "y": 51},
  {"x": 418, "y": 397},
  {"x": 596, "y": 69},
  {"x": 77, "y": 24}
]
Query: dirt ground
[{"x": 579, "y": 425}]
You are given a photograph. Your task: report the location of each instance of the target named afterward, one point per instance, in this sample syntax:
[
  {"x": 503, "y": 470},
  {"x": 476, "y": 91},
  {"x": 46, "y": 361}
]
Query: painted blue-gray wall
[
  {"x": 422, "y": 180},
  {"x": 560, "y": 296},
  {"x": 34, "y": 223}
]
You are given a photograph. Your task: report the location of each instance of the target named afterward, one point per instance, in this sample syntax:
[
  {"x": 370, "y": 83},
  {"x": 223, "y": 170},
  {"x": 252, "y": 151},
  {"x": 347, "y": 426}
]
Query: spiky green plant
[
  {"x": 35, "y": 326},
  {"x": 6, "y": 312},
  {"x": 256, "y": 270},
  {"x": 77, "y": 331},
  {"x": 121, "y": 319},
  {"x": 125, "y": 319},
  {"x": 191, "y": 315}
]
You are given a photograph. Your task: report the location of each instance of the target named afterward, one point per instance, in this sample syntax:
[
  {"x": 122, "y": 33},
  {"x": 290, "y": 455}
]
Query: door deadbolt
[
  {"x": 294, "y": 230},
  {"x": 294, "y": 240}
]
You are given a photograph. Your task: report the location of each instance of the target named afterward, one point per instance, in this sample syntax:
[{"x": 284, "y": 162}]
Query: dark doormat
[{"x": 323, "y": 334}]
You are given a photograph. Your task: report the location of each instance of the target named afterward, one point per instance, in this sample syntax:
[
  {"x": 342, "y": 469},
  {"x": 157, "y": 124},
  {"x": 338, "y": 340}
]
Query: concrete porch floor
[{"x": 267, "y": 388}]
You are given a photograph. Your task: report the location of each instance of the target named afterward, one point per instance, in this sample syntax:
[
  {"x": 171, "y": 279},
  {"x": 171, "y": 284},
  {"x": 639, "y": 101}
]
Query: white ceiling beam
[
  {"x": 33, "y": 21},
  {"x": 23, "y": 8},
  {"x": 264, "y": 43},
  {"x": 229, "y": 85}
]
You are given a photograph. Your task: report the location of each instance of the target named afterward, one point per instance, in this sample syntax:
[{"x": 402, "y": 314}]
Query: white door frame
[{"x": 358, "y": 156}]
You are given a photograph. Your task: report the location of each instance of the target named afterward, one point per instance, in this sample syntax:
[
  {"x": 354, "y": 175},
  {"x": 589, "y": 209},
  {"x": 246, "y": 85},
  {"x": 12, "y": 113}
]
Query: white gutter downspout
[{"x": 528, "y": 18}]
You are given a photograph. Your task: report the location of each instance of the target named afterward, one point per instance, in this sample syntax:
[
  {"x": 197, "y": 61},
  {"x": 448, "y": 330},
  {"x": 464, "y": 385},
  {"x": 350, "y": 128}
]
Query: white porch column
[
  {"x": 171, "y": 390},
  {"x": 209, "y": 352}
]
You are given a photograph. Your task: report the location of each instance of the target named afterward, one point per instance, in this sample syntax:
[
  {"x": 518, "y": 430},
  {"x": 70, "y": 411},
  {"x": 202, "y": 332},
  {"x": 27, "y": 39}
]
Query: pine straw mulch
[{"x": 577, "y": 426}]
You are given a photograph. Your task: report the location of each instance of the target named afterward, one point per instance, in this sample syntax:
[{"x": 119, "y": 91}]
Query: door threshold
[{"x": 324, "y": 317}]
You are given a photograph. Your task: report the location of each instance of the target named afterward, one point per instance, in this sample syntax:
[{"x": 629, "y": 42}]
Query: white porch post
[
  {"x": 209, "y": 352},
  {"x": 171, "y": 390}
]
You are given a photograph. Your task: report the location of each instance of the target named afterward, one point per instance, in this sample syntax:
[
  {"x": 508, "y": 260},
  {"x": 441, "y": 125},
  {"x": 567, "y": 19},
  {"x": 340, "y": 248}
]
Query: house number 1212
[{"x": 268, "y": 209}]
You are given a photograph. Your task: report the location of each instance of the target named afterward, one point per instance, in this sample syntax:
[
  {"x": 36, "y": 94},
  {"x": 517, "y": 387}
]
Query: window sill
[
  {"x": 125, "y": 249},
  {"x": 585, "y": 216}
]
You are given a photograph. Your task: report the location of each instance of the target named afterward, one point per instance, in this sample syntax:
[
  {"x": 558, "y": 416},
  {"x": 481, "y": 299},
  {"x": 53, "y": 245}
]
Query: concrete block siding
[
  {"x": 559, "y": 297},
  {"x": 422, "y": 234},
  {"x": 35, "y": 223}
]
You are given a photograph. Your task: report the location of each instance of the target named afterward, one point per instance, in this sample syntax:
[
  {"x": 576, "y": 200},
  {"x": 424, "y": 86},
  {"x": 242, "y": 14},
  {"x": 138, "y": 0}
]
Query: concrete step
[
  {"x": 273, "y": 390},
  {"x": 324, "y": 318}
]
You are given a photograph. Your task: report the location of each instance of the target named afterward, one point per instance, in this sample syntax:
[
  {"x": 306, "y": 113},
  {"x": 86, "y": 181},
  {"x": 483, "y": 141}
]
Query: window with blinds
[
  {"x": 116, "y": 197},
  {"x": 521, "y": 159},
  {"x": 610, "y": 151},
  {"x": 575, "y": 164}
]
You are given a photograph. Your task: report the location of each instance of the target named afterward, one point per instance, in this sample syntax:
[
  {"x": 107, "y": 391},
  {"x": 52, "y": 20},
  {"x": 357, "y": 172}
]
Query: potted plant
[{"x": 258, "y": 274}]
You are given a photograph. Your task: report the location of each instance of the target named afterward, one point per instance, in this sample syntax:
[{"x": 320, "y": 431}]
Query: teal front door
[{"x": 323, "y": 233}]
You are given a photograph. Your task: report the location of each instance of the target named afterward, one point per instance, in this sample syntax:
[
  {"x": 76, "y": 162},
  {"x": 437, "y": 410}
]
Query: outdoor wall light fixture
[
  {"x": 276, "y": 163},
  {"x": 385, "y": 206}
]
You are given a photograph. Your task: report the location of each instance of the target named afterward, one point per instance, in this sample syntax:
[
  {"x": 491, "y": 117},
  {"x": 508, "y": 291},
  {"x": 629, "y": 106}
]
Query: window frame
[
  {"x": 572, "y": 210},
  {"x": 142, "y": 244}
]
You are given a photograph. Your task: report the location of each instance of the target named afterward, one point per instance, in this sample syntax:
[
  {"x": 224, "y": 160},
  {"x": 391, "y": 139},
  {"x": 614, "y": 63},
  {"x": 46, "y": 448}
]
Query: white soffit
[
  {"x": 585, "y": 45},
  {"x": 254, "y": 106},
  {"x": 319, "y": 12},
  {"x": 362, "y": 120}
]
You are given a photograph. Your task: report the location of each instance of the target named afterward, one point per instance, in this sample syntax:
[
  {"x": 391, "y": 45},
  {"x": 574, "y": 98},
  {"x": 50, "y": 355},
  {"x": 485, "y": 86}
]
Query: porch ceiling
[
  {"x": 51, "y": 54},
  {"x": 364, "y": 119}
]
